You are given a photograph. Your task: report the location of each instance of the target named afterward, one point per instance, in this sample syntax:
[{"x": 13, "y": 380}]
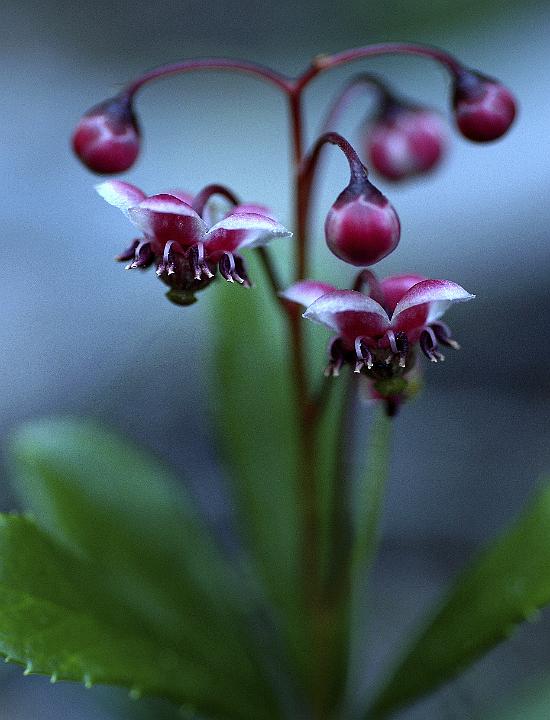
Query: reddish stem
[
  {"x": 327, "y": 62},
  {"x": 249, "y": 68},
  {"x": 310, "y": 164},
  {"x": 348, "y": 93},
  {"x": 200, "y": 200}
]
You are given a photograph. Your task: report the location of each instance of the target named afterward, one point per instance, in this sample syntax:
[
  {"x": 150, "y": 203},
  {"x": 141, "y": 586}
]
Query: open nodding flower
[
  {"x": 177, "y": 240},
  {"x": 377, "y": 333}
]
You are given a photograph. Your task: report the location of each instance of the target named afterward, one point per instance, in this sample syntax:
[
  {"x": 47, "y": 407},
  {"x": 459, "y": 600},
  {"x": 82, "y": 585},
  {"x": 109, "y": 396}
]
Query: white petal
[
  {"x": 438, "y": 294},
  {"x": 120, "y": 194},
  {"x": 241, "y": 230},
  {"x": 305, "y": 292},
  {"x": 349, "y": 313}
]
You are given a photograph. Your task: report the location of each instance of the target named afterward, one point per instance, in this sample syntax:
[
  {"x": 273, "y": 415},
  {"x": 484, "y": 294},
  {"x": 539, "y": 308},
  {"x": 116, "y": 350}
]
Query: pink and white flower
[
  {"x": 175, "y": 237},
  {"x": 377, "y": 332},
  {"x": 484, "y": 109},
  {"x": 405, "y": 141}
]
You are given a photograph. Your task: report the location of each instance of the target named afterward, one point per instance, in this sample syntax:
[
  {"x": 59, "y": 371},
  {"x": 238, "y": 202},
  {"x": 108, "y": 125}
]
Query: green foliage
[
  {"x": 504, "y": 585},
  {"x": 258, "y": 430},
  {"x": 119, "y": 583},
  {"x": 532, "y": 703}
]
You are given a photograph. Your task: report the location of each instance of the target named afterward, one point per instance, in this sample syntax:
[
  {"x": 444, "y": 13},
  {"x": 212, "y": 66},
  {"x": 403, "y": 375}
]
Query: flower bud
[
  {"x": 484, "y": 109},
  {"x": 362, "y": 227},
  {"x": 107, "y": 137},
  {"x": 405, "y": 141}
]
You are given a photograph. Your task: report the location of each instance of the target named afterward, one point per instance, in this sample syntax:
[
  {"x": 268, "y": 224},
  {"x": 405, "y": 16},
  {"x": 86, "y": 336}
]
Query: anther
[
  {"x": 402, "y": 345},
  {"x": 129, "y": 253},
  {"x": 399, "y": 346},
  {"x": 197, "y": 262},
  {"x": 443, "y": 335},
  {"x": 336, "y": 358},
  {"x": 228, "y": 268},
  {"x": 241, "y": 272},
  {"x": 428, "y": 345},
  {"x": 364, "y": 356},
  {"x": 168, "y": 265},
  {"x": 143, "y": 257}
]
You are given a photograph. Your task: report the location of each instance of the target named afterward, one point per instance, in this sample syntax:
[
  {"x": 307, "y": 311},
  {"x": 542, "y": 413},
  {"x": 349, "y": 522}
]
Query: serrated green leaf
[
  {"x": 503, "y": 586},
  {"x": 51, "y": 622},
  {"x": 120, "y": 512}
]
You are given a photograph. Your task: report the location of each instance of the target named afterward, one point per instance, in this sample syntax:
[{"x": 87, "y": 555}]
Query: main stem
[{"x": 307, "y": 475}]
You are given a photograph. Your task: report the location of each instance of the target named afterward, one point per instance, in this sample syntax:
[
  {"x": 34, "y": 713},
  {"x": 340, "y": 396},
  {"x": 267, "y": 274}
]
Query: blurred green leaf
[
  {"x": 258, "y": 429},
  {"x": 120, "y": 512},
  {"x": 51, "y": 622},
  {"x": 531, "y": 703},
  {"x": 505, "y": 585}
]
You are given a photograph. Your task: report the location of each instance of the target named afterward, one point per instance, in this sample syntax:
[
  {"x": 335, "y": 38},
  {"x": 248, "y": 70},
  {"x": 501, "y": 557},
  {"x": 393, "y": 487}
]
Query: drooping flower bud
[
  {"x": 107, "y": 138},
  {"x": 484, "y": 109},
  {"x": 405, "y": 141},
  {"x": 362, "y": 227}
]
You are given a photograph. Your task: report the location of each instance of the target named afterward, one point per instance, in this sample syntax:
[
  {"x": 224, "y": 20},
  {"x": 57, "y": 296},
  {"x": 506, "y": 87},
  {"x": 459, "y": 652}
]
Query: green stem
[
  {"x": 371, "y": 494},
  {"x": 369, "y": 505}
]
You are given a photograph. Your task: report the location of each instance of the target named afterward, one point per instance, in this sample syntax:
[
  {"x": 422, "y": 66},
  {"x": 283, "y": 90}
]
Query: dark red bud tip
[
  {"x": 406, "y": 142},
  {"x": 484, "y": 109},
  {"x": 362, "y": 227},
  {"x": 107, "y": 137}
]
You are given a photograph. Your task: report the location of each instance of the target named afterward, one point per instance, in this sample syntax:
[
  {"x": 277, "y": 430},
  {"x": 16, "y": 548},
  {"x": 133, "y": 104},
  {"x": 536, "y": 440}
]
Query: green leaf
[
  {"x": 258, "y": 427},
  {"x": 505, "y": 584},
  {"x": 531, "y": 703},
  {"x": 51, "y": 623},
  {"x": 150, "y": 562}
]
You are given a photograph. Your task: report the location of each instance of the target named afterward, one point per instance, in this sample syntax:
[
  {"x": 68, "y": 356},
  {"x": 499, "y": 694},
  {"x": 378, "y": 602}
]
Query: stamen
[
  {"x": 428, "y": 345},
  {"x": 443, "y": 334},
  {"x": 168, "y": 264},
  {"x": 129, "y": 253},
  {"x": 241, "y": 272},
  {"x": 391, "y": 339},
  {"x": 336, "y": 358},
  {"x": 402, "y": 345},
  {"x": 363, "y": 354},
  {"x": 197, "y": 262},
  {"x": 143, "y": 257},
  {"x": 399, "y": 346},
  {"x": 228, "y": 269}
]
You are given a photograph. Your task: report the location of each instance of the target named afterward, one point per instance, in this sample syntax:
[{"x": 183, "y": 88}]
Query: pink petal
[
  {"x": 425, "y": 302},
  {"x": 166, "y": 217},
  {"x": 351, "y": 314},
  {"x": 241, "y": 230},
  {"x": 120, "y": 194},
  {"x": 395, "y": 287},
  {"x": 306, "y": 292},
  {"x": 181, "y": 195},
  {"x": 247, "y": 208}
]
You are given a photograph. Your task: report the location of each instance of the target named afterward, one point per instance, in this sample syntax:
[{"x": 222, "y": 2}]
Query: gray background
[{"x": 80, "y": 336}]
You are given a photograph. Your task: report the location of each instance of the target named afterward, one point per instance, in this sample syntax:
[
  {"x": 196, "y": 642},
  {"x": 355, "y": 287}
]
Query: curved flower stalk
[
  {"x": 377, "y": 333},
  {"x": 401, "y": 139},
  {"x": 176, "y": 238}
]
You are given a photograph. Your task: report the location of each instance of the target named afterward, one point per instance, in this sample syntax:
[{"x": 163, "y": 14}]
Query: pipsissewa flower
[
  {"x": 179, "y": 242},
  {"x": 377, "y": 333}
]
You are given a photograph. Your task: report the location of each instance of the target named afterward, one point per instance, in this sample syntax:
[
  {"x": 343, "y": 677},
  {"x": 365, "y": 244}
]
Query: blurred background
[{"x": 80, "y": 336}]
